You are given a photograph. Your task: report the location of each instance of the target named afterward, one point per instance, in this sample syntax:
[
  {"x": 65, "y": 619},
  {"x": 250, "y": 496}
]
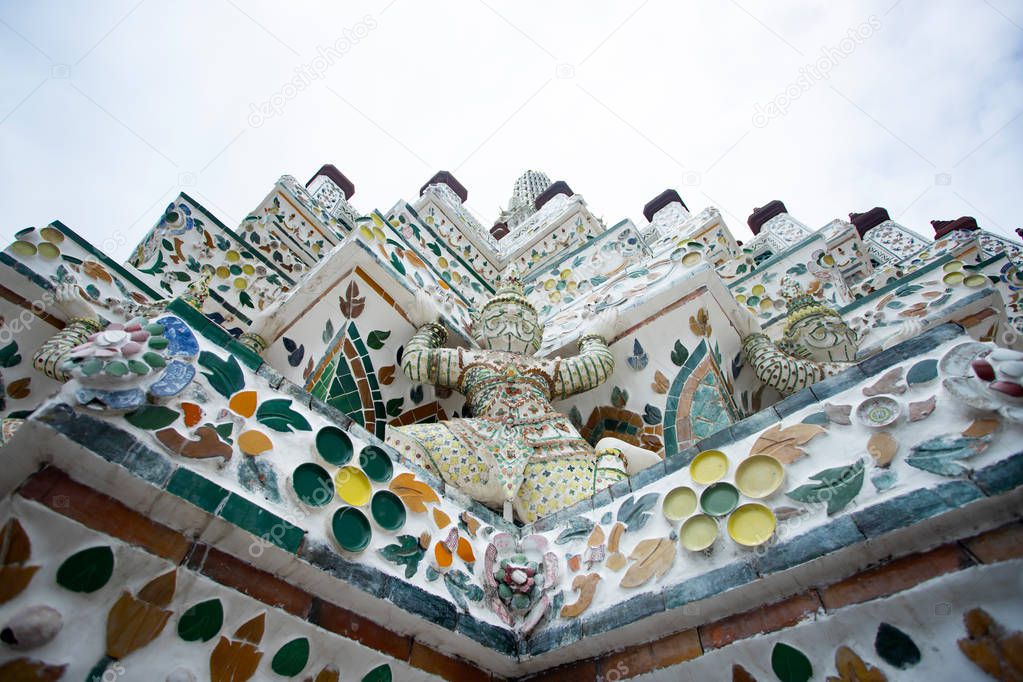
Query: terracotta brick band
[{"x": 55, "y": 490}]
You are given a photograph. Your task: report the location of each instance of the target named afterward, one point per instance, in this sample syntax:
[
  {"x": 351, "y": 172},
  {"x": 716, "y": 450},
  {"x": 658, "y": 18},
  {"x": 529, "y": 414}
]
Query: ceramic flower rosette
[
  {"x": 986, "y": 379},
  {"x": 518, "y": 575},
  {"x": 123, "y": 366}
]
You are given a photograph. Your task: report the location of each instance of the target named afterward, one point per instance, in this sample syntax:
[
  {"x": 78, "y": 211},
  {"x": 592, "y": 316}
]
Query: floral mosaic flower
[
  {"x": 117, "y": 367},
  {"x": 177, "y": 219},
  {"x": 986, "y": 379},
  {"x": 518, "y": 576}
]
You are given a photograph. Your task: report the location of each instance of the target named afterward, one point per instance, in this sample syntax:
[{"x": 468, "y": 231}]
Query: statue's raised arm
[{"x": 593, "y": 365}]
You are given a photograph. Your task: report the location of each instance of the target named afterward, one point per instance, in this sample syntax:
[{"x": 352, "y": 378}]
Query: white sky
[{"x": 108, "y": 109}]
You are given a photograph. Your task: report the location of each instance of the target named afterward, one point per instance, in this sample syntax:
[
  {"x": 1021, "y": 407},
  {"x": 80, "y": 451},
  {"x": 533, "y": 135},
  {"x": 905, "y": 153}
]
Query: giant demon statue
[{"x": 515, "y": 451}]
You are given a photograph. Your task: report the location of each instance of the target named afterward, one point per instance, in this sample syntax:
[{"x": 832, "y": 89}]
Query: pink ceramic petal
[
  {"x": 115, "y": 326},
  {"x": 140, "y": 335},
  {"x": 133, "y": 327},
  {"x": 131, "y": 348},
  {"x": 100, "y": 352}
]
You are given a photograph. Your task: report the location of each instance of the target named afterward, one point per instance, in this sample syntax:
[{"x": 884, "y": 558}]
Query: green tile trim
[
  {"x": 443, "y": 244},
  {"x": 261, "y": 523},
  {"x": 984, "y": 263},
  {"x": 248, "y": 357},
  {"x": 902, "y": 281},
  {"x": 230, "y": 308},
  {"x": 111, "y": 264},
  {"x": 773, "y": 260},
  {"x": 26, "y": 272},
  {"x": 536, "y": 272},
  {"x": 231, "y": 233},
  {"x": 193, "y": 488},
  {"x": 215, "y": 333}
]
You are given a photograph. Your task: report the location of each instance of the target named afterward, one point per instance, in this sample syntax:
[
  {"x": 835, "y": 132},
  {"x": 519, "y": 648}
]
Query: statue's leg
[
  {"x": 435, "y": 448},
  {"x": 413, "y": 444},
  {"x": 553, "y": 484}
]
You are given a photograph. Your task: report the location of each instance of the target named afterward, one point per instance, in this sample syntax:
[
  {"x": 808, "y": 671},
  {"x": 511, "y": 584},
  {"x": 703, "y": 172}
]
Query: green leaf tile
[
  {"x": 152, "y": 417},
  {"x": 201, "y": 622},
  {"x": 291, "y": 658},
  {"x": 790, "y": 664},
  {"x": 895, "y": 647},
  {"x": 922, "y": 372},
  {"x": 278, "y": 415},
  {"x": 379, "y": 674},
  {"x": 86, "y": 571}
]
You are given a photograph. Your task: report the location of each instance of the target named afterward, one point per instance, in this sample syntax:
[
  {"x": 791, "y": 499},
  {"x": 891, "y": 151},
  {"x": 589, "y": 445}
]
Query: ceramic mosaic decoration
[{"x": 333, "y": 444}]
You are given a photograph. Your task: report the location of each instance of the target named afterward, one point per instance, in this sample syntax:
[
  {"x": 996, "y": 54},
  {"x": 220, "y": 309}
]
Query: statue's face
[
  {"x": 826, "y": 338},
  {"x": 510, "y": 327}
]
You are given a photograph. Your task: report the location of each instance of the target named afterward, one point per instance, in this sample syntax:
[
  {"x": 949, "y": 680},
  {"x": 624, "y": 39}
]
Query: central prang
[{"x": 515, "y": 451}]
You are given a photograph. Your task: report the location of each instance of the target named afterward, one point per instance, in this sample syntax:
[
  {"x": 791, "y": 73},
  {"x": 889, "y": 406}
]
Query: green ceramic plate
[
  {"x": 376, "y": 463},
  {"x": 351, "y": 529},
  {"x": 334, "y": 445},
  {"x": 388, "y": 510},
  {"x": 312, "y": 484},
  {"x": 719, "y": 499}
]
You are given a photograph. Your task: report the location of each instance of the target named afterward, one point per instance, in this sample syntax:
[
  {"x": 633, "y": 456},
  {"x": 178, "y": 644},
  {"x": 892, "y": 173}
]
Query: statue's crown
[{"x": 510, "y": 291}]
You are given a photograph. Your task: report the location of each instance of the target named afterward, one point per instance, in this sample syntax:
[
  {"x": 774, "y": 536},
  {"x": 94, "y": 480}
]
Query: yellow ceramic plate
[
  {"x": 953, "y": 277},
  {"x": 708, "y": 466},
  {"x": 952, "y": 266},
  {"x": 353, "y": 486},
  {"x": 751, "y": 524},
  {"x": 52, "y": 235},
  {"x": 691, "y": 258},
  {"x": 679, "y": 503},
  {"x": 48, "y": 250},
  {"x": 699, "y": 533},
  {"x": 23, "y": 248},
  {"x": 759, "y": 476},
  {"x": 974, "y": 281}
]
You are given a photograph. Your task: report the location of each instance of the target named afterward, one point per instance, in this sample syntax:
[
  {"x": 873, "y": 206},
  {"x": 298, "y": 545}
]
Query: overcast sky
[{"x": 108, "y": 109}]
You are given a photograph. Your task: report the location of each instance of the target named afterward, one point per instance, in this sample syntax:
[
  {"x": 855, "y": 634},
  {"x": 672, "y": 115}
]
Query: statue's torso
[{"x": 506, "y": 386}]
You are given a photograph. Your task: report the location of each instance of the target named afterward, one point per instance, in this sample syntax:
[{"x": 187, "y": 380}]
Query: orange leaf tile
[
  {"x": 440, "y": 518},
  {"x": 243, "y": 403},
  {"x": 254, "y": 442},
  {"x": 442, "y": 555},
  {"x": 465, "y": 552},
  {"x": 193, "y": 413}
]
